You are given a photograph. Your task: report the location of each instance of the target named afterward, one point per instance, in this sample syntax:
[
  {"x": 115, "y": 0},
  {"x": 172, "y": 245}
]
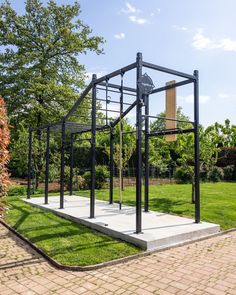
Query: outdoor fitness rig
[{"x": 140, "y": 94}]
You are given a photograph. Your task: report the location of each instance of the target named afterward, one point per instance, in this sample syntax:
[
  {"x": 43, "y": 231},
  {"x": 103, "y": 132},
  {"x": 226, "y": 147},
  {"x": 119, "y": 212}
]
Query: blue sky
[{"x": 183, "y": 35}]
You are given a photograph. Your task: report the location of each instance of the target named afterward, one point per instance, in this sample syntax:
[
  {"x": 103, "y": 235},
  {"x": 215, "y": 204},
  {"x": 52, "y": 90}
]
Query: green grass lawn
[
  {"x": 73, "y": 244},
  {"x": 63, "y": 240},
  {"x": 218, "y": 200}
]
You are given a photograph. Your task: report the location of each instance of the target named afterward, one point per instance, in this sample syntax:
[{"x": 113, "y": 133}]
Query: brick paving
[{"x": 205, "y": 267}]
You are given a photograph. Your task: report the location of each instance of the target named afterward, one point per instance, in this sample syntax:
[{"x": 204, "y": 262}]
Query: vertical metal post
[
  {"x": 196, "y": 147},
  {"x": 146, "y": 191},
  {"x": 47, "y": 165},
  {"x": 139, "y": 147},
  {"x": 62, "y": 179},
  {"x": 93, "y": 151},
  {"x": 111, "y": 165},
  {"x": 121, "y": 135},
  {"x": 71, "y": 163},
  {"x": 29, "y": 164}
]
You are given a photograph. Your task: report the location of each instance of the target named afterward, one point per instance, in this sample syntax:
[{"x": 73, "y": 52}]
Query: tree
[
  {"x": 185, "y": 150},
  {"x": 161, "y": 150},
  {"x": 159, "y": 123},
  {"x": 223, "y": 135},
  {"x": 128, "y": 145},
  {"x": 40, "y": 72},
  {"x": 4, "y": 154}
]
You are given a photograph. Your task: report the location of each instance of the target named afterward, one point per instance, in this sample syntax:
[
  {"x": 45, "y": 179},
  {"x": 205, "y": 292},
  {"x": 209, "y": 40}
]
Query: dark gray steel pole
[
  {"x": 29, "y": 164},
  {"x": 139, "y": 147},
  {"x": 71, "y": 162},
  {"x": 146, "y": 192},
  {"x": 47, "y": 165},
  {"x": 196, "y": 147},
  {"x": 111, "y": 165},
  {"x": 62, "y": 179},
  {"x": 93, "y": 151},
  {"x": 121, "y": 129}
]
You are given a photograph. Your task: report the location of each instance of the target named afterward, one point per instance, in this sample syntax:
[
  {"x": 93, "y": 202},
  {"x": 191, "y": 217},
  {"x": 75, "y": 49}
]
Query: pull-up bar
[
  {"x": 130, "y": 89},
  {"x": 168, "y": 71},
  {"x": 167, "y": 119},
  {"x": 171, "y": 131}
]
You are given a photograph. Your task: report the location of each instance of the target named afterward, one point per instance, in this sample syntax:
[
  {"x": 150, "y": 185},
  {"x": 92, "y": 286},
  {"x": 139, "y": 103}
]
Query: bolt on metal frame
[{"x": 140, "y": 101}]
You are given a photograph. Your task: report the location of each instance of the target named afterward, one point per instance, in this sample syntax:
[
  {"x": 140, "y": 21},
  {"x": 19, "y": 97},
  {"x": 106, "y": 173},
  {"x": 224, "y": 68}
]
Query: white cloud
[
  {"x": 138, "y": 20},
  {"x": 223, "y": 95},
  {"x": 201, "y": 42},
  {"x": 119, "y": 36},
  {"x": 133, "y": 14},
  {"x": 228, "y": 44},
  {"x": 189, "y": 98},
  {"x": 130, "y": 9}
]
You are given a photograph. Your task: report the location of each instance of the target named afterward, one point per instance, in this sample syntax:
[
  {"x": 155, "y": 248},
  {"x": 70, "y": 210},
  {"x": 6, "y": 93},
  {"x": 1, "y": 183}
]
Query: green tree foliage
[
  {"x": 159, "y": 123},
  {"x": 223, "y": 135},
  {"x": 40, "y": 70},
  {"x": 128, "y": 143},
  {"x": 161, "y": 151}
]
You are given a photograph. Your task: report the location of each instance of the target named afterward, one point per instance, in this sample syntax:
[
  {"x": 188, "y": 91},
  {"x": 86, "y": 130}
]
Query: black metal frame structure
[{"x": 141, "y": 100}]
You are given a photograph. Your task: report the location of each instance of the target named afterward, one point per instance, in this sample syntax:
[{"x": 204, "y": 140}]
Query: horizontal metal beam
[
  {"x": 115, "y": 73},
  {"x": 113, "y": 101},
  {"x": 168, "y": 71},
  {"x": 170, "y": 131},
  {"x": 89, "y": 130},
  {"x": 168, "y": 119},
  {"x": 111, "y": 111},
  {"x": 46, "y": 126},
  {"x": 115, "y": 86},
  {"x": 175, "y": 85},
  {"x": 113, "y": 124}
]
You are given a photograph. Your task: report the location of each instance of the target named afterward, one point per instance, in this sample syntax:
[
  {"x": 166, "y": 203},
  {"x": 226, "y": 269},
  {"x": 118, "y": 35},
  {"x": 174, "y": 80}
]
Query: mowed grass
[
  {"x": 63, "y": 240},
  {"x": 218, "y": 200},
  {"x": 73, "y": 244}
]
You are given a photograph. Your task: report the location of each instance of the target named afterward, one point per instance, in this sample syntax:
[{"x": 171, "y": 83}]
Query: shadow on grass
[
  {"x": 22, "y": 217},
  {"x": 166, "y": 205},
  {"x": 25, "y": 213},
  {"x": 80, "y": 247},
  {"x": 62, "y": 237}
]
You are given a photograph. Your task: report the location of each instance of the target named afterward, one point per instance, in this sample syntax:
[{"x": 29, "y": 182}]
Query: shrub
[
  {"x": 215, "y": 174},
  {"x": 4, "y": 154},
  {"x": 17, "y": 190},
  {"x": 182, "y": 176},
  {"x": 101, "y": 177},
  {"x": 229, "y": 172},
  {"x": 79, "y": 182}
]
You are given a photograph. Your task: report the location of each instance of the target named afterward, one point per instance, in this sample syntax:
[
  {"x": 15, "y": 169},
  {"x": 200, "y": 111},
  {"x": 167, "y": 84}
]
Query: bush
[
  {"x": 17, "y": 190},
  {"x": 215, "y": 174},
  {"x": 182, "y": 176},
  {"x": 101, "y": 177},
  {"x": 79, "y": 182},
  {"x": 229, "y": 172},
  {"x": 4, "y": 155}
]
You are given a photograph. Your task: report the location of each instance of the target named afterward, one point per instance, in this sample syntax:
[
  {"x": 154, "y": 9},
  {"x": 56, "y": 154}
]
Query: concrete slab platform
[{"x": 160, "y": 230}]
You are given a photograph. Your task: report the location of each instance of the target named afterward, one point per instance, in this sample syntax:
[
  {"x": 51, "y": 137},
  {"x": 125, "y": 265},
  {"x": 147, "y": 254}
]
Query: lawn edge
[{"x": 108, "y": 263}]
